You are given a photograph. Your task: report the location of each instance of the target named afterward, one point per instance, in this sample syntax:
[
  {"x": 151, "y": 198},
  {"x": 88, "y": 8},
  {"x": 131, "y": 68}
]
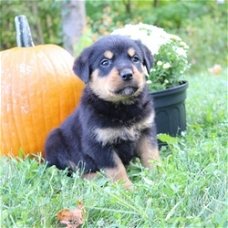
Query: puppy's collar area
[{"x": 126, "y": 91}]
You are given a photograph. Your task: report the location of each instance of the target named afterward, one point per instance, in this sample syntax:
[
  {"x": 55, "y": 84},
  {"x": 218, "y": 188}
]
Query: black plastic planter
[{"x": 170, "y": 109}]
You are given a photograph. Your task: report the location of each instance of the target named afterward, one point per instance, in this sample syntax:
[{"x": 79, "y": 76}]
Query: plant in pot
[{"x": 164, "y": 80}]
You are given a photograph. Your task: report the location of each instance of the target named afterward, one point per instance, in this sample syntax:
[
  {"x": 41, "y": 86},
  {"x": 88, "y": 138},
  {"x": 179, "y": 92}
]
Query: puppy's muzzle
[{"x": 129, "y": 85}]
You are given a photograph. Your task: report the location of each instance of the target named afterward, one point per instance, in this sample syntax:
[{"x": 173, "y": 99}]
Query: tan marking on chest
[{"x": 132, "y": 133}]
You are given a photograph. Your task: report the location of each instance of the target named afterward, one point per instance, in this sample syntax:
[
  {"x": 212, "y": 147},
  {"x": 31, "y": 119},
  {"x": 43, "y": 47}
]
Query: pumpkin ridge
[
  {"x": 59, "y": 94},
  {"x": 3, "y": 140},
  {"x": 42, "y": 100},
  {"x": 23, "y": 121},
  {"x": 61, "y": 100},
  {"x": 14, "y": 118},
  {"x": 32, "y": 121},
  {"x": 5, "y": 118}
]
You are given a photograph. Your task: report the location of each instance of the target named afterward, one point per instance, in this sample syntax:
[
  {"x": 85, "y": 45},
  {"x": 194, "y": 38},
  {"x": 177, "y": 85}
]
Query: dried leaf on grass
[{"x": 72, "y": 218}]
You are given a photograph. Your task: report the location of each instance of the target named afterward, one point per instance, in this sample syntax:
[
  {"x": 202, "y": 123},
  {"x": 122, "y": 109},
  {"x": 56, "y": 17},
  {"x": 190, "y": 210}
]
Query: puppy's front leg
[
  {"x": 147, "y": 151},
  {"x": 118, "y": 172}
]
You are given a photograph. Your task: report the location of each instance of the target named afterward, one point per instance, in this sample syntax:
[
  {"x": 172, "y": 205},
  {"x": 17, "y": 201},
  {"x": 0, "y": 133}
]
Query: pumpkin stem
[{"x": 23, "y": 33}]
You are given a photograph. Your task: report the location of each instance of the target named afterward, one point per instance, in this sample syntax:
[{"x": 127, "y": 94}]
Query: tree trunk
[
  {"x": 155, "y": 3},
  {"x": 127, "y": 5},
  {"x": 39, "y": 32},
  {"x": 74, "y": 20}
]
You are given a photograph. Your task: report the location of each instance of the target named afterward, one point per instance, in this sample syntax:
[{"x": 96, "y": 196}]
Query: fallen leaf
[{"x": 72, "y": 218}]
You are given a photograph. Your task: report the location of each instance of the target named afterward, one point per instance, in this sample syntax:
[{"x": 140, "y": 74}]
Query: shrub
[{"x": 207, "y": 39}]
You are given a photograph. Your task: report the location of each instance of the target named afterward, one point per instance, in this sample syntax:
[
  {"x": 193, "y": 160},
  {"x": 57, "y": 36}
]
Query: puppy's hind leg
[{"x": 56, "y": 151}]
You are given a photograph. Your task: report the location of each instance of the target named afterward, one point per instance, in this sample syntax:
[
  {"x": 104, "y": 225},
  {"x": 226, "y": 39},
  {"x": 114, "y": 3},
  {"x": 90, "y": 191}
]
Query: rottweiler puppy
[{"x": 115, "y": 119}]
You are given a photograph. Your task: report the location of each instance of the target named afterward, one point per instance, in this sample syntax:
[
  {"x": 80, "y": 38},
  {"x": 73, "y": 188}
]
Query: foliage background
[{"x": 201, "y": 24}]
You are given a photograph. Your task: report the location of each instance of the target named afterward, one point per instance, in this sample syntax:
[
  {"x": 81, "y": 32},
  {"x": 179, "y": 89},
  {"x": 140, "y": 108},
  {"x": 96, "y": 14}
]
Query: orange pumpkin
[{"x": 38, "y": 91}]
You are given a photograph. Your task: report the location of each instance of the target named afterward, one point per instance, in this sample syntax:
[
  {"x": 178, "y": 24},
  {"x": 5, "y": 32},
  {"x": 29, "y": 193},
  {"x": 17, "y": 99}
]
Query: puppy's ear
[
  {"x": 147, "y": 55},
  {"x": 82, "y": 65}
]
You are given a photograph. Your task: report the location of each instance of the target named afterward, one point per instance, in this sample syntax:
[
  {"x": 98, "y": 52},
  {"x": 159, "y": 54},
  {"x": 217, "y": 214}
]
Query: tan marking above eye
[
  {"x": 131, "y": 52},
  {"x": 108, "y": 54}
]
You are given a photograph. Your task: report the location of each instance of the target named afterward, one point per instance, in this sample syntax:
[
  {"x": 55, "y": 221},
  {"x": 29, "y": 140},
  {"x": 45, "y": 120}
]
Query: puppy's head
[{"x": 114, "y": 67}]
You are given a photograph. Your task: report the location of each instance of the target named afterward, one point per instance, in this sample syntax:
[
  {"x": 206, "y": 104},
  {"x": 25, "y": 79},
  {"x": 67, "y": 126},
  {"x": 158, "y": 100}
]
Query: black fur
[{"x": 74, "y": 145}]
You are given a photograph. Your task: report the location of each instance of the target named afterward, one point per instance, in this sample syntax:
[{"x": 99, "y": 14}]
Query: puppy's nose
[{"x": 126, "y": 74}]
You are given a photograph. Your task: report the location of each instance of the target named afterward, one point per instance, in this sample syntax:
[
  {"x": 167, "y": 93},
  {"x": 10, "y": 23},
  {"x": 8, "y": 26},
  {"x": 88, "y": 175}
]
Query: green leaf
[{"x": 167, "y": 139}]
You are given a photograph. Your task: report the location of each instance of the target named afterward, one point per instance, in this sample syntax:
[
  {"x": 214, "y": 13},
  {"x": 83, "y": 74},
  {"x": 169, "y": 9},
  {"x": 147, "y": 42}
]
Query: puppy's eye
[
  {"x": 105, "y": 62},
  {"x": 135, "y": 59}
]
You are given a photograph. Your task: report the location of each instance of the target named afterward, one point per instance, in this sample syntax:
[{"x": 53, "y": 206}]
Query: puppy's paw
[
  {"x": 89, "y": 176},
  {"x": 128, "y": 185}
]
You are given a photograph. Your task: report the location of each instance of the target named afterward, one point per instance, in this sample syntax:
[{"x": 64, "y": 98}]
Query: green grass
[{"x": 189, "y": 189}]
